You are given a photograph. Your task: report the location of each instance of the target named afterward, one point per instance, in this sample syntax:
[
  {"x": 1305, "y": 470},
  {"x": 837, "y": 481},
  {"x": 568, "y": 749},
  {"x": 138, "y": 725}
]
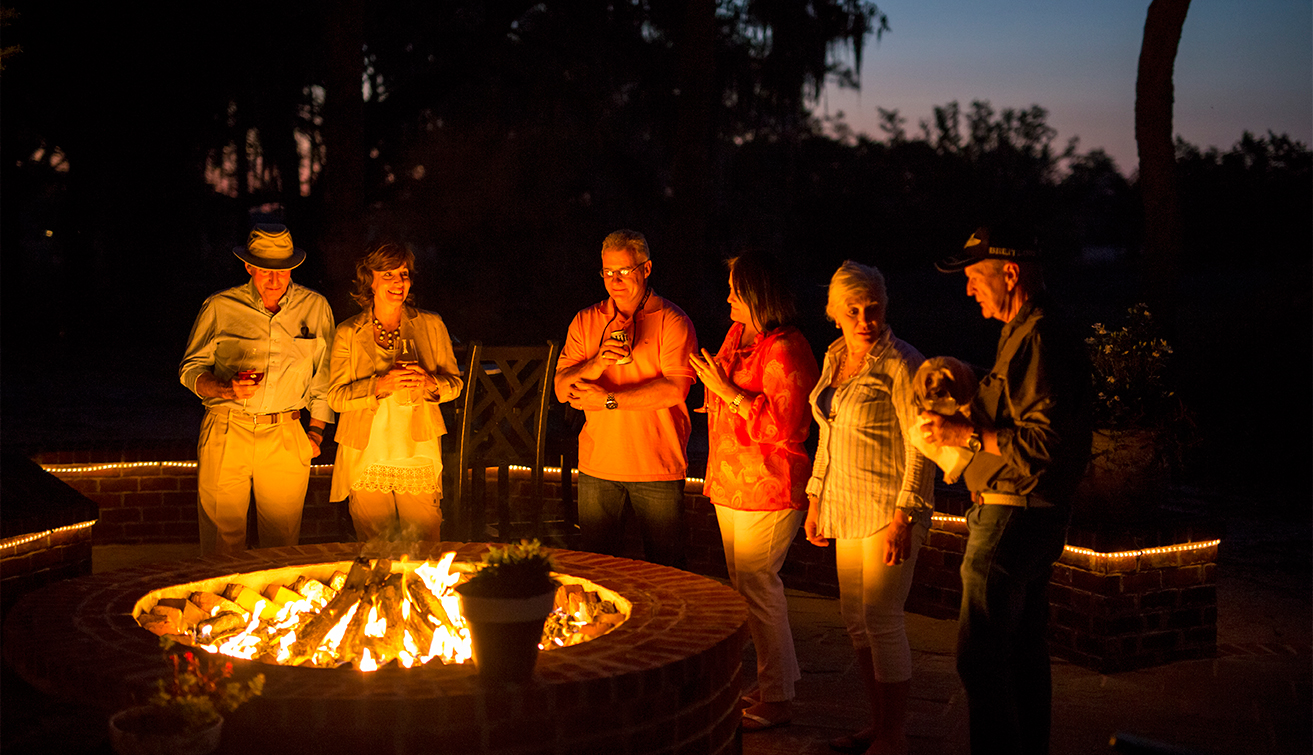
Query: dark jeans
[
  {"x": 1002, "y": 646},
  {"x": 606, "y": 505}
]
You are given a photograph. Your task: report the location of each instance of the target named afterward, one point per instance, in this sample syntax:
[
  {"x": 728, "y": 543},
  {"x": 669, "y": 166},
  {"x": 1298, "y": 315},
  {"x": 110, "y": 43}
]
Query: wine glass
[
  {"x": 250, "y": 366},
  {"x": 404, "y": 356}
]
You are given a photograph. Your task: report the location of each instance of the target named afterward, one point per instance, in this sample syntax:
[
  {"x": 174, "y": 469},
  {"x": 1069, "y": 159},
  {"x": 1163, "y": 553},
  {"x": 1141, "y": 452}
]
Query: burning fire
[{"x": 368, "y": 616}]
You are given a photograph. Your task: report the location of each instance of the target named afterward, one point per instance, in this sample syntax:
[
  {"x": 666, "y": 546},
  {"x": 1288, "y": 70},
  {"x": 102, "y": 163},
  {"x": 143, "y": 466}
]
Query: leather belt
[
  {"x": 264, "y": 419},
  {"x": 1010, "y": 499}
]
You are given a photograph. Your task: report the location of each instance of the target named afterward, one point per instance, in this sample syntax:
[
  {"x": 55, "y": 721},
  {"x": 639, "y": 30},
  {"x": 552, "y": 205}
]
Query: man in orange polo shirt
[{"x": 625, "y": 364}]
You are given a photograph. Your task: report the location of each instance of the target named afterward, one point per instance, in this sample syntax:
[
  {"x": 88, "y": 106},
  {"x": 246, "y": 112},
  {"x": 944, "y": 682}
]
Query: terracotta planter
[
  {"x": 504, "y": 634},
  {"x": 128, "y": 739}
]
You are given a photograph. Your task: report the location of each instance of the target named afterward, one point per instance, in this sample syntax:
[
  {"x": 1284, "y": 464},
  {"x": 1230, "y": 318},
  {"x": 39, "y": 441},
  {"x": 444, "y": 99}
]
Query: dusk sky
[{"x": 1242, "y": 64}]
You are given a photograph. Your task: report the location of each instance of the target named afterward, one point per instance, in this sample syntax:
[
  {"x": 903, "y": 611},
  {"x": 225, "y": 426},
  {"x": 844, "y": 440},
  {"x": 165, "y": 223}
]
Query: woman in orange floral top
[{"x": 757, "y": 470}]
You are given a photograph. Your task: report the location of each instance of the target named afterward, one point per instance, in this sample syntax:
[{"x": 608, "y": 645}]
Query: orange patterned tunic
[{"x": 759, "y": 463}]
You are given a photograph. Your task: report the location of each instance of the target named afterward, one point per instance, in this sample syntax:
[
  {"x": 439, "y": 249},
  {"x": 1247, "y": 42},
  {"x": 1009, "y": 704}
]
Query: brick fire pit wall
[
  {"x": 665, "y": 681},
  {"x": 1107, "y": 614}
]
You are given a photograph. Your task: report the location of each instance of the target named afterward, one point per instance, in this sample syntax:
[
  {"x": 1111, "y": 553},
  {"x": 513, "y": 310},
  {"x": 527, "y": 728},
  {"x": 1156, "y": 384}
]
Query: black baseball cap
[{"x": 989, "y": 244}]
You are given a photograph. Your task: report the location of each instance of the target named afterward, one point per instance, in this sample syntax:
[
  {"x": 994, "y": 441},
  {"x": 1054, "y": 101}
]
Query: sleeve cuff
[{"x": 913, "y": 502}]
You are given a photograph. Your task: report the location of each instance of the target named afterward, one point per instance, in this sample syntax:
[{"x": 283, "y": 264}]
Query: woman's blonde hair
[
  {"x": 387, "y": 256},
  {"x": 853, "y": 280}
]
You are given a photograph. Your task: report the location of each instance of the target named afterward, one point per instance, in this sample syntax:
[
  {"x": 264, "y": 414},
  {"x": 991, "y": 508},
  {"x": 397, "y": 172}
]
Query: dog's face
[{"x": 944, "y": 385}]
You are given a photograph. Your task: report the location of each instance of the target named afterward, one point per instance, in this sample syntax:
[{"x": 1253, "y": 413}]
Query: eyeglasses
[{"x": 623, "y": 272}]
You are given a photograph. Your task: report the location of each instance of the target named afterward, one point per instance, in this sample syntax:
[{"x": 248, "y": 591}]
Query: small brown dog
[{"x": 944, "y": 385}]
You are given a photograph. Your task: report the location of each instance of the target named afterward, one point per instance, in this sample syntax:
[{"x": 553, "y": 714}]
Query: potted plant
[
  {"x": 1140, "y": 422},
  {"x": 185, "y": 714},
  {"x": 505, "y": 603}
]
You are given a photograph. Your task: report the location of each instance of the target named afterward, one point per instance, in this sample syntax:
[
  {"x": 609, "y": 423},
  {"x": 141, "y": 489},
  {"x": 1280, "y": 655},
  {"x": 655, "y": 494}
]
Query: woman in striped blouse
[{"x": 872, "y": 492}]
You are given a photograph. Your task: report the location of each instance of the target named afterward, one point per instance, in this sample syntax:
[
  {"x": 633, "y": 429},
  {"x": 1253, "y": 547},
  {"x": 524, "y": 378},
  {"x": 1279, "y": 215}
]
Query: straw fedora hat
[{"x": 270, "y": 248}]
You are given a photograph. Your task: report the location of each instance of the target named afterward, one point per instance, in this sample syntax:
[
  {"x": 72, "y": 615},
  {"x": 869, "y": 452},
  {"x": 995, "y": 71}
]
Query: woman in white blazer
[{"x": 392, "y": 365}]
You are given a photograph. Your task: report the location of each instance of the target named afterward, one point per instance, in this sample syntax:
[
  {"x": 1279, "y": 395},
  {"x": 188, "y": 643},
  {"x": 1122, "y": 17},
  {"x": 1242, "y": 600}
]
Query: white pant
[
  {"x": 234, "y": 456},
  {"x": 756, "y": 543},
  {"x": 408, "y": 515},
  {"x": 871, "y": 598}
]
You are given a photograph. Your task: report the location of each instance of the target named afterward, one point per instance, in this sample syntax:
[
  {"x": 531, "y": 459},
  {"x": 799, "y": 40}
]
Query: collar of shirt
[
  {"x": 877, "y": 352},
  {"x": 1027, "y": 309},
  {"x": 257, "y": 302}
]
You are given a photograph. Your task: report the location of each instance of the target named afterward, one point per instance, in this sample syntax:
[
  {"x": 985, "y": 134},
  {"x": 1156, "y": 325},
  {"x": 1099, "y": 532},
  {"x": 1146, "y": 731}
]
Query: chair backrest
[{"x": 502, "y": 419}]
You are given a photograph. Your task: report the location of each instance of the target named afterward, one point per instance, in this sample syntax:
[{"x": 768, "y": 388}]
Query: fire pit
[
  {"x": 664, "y": 681},
  {"x": 364, "y": 613}
]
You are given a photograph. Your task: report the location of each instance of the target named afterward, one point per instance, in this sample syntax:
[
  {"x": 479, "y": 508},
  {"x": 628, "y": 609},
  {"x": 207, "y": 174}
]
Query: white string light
[
  {"x": 74, "y": 469},
  {"x": 14, "y": 542}
]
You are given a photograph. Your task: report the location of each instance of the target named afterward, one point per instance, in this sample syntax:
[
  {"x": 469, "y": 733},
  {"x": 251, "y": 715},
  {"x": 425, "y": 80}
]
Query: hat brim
[
  {"x": 264, "y": 263},
  {"x": 958, "y": 262}
]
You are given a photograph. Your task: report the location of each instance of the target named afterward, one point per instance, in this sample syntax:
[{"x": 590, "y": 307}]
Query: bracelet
[{"x": 734, "y": 405}]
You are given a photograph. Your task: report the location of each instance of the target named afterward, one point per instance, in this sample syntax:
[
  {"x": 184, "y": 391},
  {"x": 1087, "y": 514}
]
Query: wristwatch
[
  {"x": 610, "y": 401},
  {"x": 974, "y": 444}
]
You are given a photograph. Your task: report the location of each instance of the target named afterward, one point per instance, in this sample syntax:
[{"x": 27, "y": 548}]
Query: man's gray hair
[{"x": 627, "y": 240}]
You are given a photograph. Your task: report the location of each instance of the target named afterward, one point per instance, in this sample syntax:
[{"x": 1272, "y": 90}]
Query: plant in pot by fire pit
[
  {"x": 1141, "y": 424},
  {"x": 185, "y": 714},
  {"x": 505, "y": 603}
]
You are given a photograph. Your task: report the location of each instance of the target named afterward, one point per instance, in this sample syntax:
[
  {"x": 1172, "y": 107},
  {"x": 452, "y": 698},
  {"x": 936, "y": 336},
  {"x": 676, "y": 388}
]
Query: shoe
[
  {"x": 750, "y": 698},
  {"x": 853, "y": 743},
  {"x": 755, "y": 721}
]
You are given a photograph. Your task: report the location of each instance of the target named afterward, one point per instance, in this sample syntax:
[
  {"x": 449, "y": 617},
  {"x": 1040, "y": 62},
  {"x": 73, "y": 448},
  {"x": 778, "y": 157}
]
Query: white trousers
[
  {"x": 756, "y": 543},
  {"x": 871, "y": 598},
  {"x": 410, "y": 516},
  {"x": 235, "y": 457}
]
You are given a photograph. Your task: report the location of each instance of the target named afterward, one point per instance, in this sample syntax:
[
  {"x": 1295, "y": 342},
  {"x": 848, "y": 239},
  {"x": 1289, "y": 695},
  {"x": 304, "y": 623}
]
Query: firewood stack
[{"x": 367, "y": 617}]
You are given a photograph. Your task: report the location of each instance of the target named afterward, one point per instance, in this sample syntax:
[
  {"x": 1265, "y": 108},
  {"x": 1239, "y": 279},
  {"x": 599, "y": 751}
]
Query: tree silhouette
[{"x": 1153, "y": 136}]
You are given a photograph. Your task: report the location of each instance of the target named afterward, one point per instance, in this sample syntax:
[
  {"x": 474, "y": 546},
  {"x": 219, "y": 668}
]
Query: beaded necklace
[{"x": 383, "y": 334}]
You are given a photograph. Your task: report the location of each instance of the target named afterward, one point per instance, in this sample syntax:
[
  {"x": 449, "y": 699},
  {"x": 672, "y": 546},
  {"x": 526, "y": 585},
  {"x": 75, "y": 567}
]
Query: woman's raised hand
[{"x": 712, "y": 375}]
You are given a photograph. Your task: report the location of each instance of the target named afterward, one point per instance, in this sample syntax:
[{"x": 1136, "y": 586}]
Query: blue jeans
[
  {"x": 1002, "y": 645},
  {"x": 606, "y": 505}
]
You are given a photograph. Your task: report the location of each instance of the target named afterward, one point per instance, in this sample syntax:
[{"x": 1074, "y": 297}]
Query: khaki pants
[{"x": 236, "y": 456}]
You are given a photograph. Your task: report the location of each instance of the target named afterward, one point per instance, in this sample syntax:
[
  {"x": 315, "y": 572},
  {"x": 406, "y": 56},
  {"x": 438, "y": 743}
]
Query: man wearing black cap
[
  {"x": 258, "y": 354},
  {"x": 1029, "y": 432}
]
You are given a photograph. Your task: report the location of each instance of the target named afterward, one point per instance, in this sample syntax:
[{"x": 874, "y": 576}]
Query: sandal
[
  {"x": 855, "y": 743},
  {"x": 757, "y": 722},
  {"x": 750, "y": 698}
]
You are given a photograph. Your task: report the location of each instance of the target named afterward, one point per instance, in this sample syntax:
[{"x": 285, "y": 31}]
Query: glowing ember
[{"x": 367, "y": 614}]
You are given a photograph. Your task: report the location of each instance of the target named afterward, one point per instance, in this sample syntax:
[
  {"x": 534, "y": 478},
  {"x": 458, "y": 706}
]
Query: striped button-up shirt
[{"x": 866, "y": 466}]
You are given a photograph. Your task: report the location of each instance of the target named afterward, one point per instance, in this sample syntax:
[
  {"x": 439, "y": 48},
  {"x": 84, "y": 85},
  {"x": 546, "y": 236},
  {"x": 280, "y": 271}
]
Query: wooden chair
[{"x": 501, "y": 420}]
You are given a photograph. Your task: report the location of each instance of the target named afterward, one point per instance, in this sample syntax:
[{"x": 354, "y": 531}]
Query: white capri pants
[
  {"x": 871, "y": 598},
  {"x": 756, "y": 543}
]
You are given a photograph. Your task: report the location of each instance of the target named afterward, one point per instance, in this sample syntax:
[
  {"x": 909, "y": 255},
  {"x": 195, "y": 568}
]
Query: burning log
[
  {"x": 318, "y": 593},
  {"x": 221, "y": 625},
  {"x": 428, "y": 604},
  {"x": 213, "y": 604},
  {"x": 161, "y": 623},
  {"x": 390, "y": 645},
  {"x": 353, "y": 641},
  {"x": 248, "y": 599},
  {"x": 313, "y": 631}
]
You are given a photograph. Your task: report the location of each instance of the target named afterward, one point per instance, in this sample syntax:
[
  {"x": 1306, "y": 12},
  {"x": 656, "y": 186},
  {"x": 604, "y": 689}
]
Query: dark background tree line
[{"x": 503, "y": 140}]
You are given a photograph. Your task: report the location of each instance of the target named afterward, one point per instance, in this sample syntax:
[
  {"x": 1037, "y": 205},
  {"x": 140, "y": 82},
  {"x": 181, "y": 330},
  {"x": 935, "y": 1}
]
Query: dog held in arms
[{"x": 946, "y": 386}]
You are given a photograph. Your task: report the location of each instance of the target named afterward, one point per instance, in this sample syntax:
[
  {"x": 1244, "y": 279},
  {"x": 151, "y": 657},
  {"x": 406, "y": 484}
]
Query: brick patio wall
[{"x": 1109, "y": 614}]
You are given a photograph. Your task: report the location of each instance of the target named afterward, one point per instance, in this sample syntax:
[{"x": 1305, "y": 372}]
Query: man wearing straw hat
[{"x": 258, "y": 354}]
